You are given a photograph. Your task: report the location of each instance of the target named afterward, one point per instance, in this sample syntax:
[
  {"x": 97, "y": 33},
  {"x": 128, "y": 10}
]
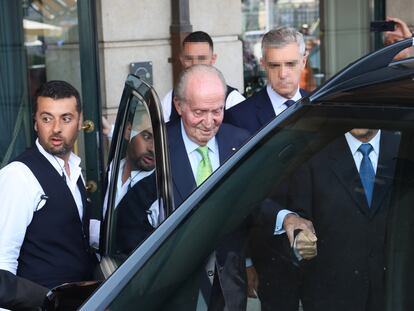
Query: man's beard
[
  {"x": 141, "y": 165},
  {"x": 58, "y": 151}
]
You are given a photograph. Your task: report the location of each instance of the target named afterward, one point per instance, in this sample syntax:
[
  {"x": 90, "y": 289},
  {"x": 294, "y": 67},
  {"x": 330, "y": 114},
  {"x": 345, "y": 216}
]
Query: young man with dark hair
[
  {"x": 197, "y": 49},
  {"x": 44, "y": 215}
]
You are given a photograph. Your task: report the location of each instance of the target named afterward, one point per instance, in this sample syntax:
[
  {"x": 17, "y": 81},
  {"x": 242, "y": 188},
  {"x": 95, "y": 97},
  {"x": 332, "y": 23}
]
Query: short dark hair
[
  {"x": 199, "y": 36},
  {"x": 57, "y": 89}
]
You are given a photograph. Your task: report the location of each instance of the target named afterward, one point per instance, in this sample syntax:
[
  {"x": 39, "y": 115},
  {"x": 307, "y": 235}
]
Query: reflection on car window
[{"x": 135, "y": 211}]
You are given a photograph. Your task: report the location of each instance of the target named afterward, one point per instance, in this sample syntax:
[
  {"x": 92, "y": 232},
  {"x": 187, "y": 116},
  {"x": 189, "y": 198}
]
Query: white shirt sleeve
[
  {"x": 233, "y": 99},
  {"x": 166, "y": 106},
  {"x": 20, "y": 194},
  {"x": 280, "y": 218}
]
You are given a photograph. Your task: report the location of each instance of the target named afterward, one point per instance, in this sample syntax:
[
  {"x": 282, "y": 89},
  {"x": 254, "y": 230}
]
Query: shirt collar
[
  {"x": 58, "y": 163},
  {"x": 191, "y": 146},
  {"x": 354, "y": 143},
  {"x": 278, "y": 100}
]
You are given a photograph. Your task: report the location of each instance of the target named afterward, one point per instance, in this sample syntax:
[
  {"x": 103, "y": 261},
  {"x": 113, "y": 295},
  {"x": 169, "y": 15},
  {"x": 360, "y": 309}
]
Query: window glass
[
  {"x": 304, "y": 165},
  {"x": 52, "y": 43},
  {"x": 135, "y": 208}
]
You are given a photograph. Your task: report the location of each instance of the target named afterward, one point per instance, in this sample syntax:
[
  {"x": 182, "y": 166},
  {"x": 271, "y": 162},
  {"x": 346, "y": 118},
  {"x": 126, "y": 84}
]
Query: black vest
[
  {"x": 174, "y": 114},
  {"x": 132, "y": 212},
  {"x": 55, "y": 249}
]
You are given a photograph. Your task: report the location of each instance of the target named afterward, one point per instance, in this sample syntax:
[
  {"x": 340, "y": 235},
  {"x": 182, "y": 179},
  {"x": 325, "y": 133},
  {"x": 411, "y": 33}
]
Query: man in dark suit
[
  {"x": 198, "y": 144},
  {"x": 284, "y": 58},
  {"x": 345, "y": 191}
]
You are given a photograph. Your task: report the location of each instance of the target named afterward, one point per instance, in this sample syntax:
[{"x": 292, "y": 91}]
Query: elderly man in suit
[
  {"x": 198, "y": 144},
  {"x": 284, "y": 59},
  {"x": 345, "y": 190}
]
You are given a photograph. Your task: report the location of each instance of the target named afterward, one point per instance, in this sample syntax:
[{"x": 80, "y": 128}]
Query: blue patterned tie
[
  {"x": 366, "y": 171},
  {"x": 289, "y": 103}
]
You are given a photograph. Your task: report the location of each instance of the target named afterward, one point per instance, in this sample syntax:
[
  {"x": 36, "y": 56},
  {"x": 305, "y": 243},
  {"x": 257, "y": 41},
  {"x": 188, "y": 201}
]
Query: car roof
[{"x": 373, "y": 80}]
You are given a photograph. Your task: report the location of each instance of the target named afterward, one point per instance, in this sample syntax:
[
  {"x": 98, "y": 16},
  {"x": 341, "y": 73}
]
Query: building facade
[{"x": 95, "y": 44}]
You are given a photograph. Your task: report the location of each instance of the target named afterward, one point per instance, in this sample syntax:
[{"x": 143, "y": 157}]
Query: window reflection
[
  {"x": 135, "y": 207},
  {"x": 51, "y": 40}
]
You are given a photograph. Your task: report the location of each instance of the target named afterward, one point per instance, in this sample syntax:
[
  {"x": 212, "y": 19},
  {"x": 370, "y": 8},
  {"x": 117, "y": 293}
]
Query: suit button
[
  {"x": 210, "y": 272},
  {"x": 356, "y": 272}
]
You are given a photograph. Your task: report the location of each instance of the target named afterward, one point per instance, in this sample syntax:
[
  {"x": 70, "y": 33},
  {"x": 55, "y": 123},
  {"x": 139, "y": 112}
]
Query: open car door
[{"x": 138, "y": 195}]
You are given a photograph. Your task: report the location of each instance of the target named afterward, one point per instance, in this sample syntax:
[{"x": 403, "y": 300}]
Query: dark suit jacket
[
  {"x": 253, "y": 113},
  {"x": 229, "y": 139},
  {"x": 347, "y": 274},
  {"x": 230, "y": 253},
  {"x": 131, "y": 214},
  {"x": 17, "y": 293}
]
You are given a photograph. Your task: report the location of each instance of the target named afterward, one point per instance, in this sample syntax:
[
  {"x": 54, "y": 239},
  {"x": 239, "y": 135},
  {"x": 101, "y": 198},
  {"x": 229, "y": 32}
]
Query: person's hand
[
  {"x": 294, "y": 222},
  {"x": 252, "y": 282},
  {"x": 106, "y": 126},
  {"x": 400, "y": 27},
  {"x": 305, "y": 244}
]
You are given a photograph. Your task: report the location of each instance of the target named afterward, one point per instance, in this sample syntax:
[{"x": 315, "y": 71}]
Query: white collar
[
  {"x": 278, "y": 100},
  {"x": 58, "y": 163},
  {"x": 191, "y": 146},
  {"x": 354, "y": 143}
]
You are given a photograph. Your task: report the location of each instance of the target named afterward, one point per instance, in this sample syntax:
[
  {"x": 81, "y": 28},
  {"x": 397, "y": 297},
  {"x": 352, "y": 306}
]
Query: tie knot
[
  {"x": 365, "y": 149},
  {"x": 289, "y": 103},
  {"x": 203, "y": 150}
]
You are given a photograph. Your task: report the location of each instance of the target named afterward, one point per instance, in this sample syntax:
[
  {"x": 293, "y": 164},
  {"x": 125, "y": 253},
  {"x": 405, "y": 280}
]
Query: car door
[{"x": 138, "y": 196}]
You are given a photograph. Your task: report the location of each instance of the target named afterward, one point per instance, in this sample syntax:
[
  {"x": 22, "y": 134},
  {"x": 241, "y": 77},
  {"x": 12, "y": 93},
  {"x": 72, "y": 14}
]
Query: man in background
[
  {"x": 283, "y": 59},
  {"x": 197, "y": 49},
  {"x": 400, "y": 32}
]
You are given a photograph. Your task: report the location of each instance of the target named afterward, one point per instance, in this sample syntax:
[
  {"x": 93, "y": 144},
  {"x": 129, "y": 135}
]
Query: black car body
[{"x": 373, "y": 92}]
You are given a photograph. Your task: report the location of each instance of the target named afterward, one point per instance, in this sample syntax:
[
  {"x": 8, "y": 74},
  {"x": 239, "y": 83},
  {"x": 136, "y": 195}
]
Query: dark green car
[{"x": 159, "y": 274}]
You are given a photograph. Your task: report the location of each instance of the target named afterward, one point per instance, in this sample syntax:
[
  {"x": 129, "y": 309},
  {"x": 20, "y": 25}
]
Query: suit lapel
[
  {"x": 343, "y": 165},
  {"x": 264, "y": 108},
  {"x": 225, "y": 144},
  {"x": 384, "y": 177},
  {"x": 181, "y": 172}
]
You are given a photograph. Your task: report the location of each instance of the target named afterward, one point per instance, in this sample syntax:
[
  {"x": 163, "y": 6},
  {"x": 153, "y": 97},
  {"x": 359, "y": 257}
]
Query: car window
[
  {"x": 136, "y": 200},
  {"x": 135, "y": 207},
  {"x": 233, "y": 202}
]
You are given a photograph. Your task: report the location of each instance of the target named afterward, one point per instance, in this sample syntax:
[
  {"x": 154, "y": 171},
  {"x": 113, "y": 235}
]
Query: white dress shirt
[
  {"x": 21, "y": 193},
  {"x": 123, "y": 188},
  {"x": 353, "y": 144},
  {"x": 231, "y": 100},
  {"x": 195, "y": 157},
  {"x": 278, "y": 102}
]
